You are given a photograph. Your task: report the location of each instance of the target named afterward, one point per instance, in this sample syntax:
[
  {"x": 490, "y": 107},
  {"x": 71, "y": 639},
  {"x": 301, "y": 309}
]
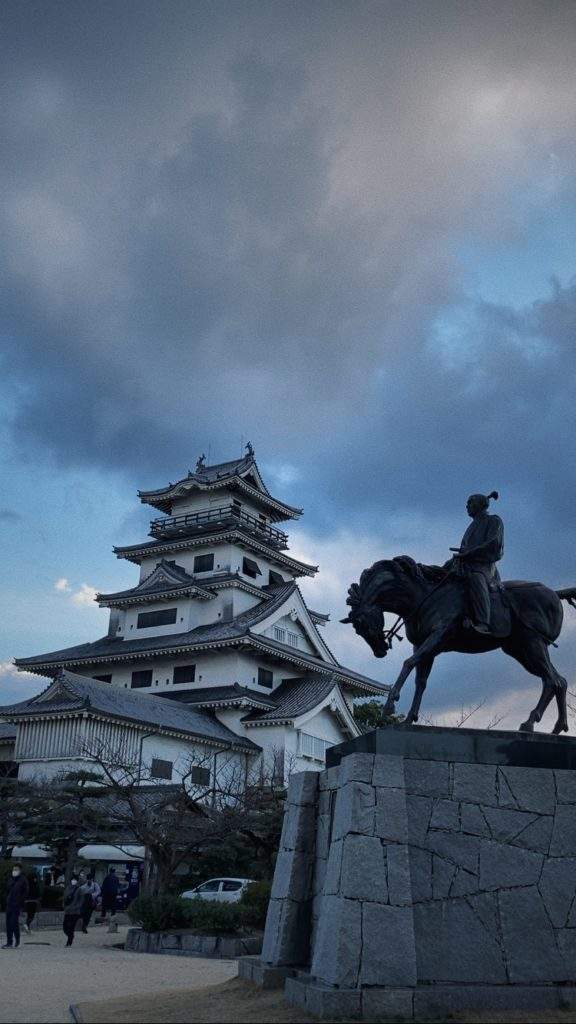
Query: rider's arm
[{"x": 490, "y": 550}]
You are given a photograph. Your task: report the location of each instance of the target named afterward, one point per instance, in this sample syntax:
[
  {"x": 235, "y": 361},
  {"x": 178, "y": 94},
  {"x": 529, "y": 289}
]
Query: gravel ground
[
  {"x": 239, "y": 1002},
  {"x": 39, "y": 980}
]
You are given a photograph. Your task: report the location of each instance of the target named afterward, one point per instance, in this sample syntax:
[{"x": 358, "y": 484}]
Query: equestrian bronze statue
[{"x": 463, "y": 606}]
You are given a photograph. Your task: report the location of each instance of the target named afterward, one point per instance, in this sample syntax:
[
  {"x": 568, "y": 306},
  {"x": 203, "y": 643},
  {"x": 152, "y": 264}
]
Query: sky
[{"x": 345, "y": 231}]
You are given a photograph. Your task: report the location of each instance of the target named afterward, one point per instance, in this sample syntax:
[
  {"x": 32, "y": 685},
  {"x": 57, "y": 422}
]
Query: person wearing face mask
[
  {"x": 15, "y": 899},
  {"x": 73, "y": 902}
]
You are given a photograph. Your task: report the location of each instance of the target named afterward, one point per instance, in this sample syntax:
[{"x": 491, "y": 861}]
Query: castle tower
[{"x": 217, "y": 620}]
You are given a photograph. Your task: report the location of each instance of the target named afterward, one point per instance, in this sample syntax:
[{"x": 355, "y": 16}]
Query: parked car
[{"x": 224, "y": 890}]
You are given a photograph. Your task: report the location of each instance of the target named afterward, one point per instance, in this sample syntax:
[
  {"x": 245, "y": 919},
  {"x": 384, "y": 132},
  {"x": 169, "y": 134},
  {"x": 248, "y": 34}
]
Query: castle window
[
  {"x": 200, "y": 776},
  {"x": 163, "y": 617},
  {"x": 280, "y": 634},
  {"x": 250, "y": 568},
  {"x": 104, "y": 678},
  {"x": 184, "y": 674},
  {"x": 265, "y": 677},
  {"x": 161, "y": 769},
  {"x": 275, "y": 579},
  {"x": 204, "y": 563},
  {"x": 312, "y": 746},
  {"x": 141, "y": 678},
  {"x": 292, "y": 639}
]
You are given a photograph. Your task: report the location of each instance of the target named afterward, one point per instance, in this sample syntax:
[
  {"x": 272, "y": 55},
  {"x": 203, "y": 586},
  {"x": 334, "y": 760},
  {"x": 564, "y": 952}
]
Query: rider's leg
[
  {"x": 431, "y": 647},
  {"x": 479, "y": 599},
  {"x": 422, "y": 672}
]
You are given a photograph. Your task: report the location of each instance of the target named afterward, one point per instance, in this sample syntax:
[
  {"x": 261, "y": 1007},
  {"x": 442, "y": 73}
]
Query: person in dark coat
[
  {"x": 73, "y": 903},
  {"x": 33, "y": 901},
  {"x": 91, "y": 891},
  {"x": 15, "y": 900},
  {"x": 110, "y": 893}
]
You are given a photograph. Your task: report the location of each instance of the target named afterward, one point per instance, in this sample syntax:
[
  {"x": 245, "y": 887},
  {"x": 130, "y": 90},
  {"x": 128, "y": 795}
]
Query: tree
[
  {"x": 67, "y": 812},
  {"x": 19, "y": 803},
  {"x": 370, "y": 715},
  {"x": 178, "y": 822}
]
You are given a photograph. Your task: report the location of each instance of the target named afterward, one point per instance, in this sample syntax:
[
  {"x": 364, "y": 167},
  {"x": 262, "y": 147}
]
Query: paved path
[{"x": 39, "y": 980}]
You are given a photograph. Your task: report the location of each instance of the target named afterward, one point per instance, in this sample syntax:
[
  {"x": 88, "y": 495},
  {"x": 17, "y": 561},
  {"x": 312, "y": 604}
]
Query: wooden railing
[{"x": 191, "y": 522}]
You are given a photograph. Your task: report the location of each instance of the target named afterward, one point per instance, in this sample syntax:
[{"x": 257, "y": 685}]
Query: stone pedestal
[{"x": 426, "y": 871}]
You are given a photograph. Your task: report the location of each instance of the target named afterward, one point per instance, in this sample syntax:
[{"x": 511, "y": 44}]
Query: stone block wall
[{"x": 399, "y": 873}]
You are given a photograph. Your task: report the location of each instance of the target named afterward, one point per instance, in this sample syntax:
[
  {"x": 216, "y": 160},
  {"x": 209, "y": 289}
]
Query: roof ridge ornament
[
  {"x": 249, "y": 449},
  {"x": 200, "y": 464}
]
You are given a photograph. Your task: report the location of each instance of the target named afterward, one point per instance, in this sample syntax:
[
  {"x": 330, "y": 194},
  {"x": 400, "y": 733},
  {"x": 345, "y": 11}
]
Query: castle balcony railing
[{"x": 197, "y": 522}]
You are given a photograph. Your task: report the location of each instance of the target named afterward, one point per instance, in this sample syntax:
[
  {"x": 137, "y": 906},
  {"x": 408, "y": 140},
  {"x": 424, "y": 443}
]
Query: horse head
[{"x": 366, "y": 614}]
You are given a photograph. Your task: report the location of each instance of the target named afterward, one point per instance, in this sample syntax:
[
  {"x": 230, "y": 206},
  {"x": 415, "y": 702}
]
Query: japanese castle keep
[{"x": 213, "y": 650}]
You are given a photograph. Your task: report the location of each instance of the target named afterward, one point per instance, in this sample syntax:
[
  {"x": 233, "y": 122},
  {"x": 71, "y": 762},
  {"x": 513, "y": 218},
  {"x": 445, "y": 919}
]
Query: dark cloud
[{"x": 9, "y": 515}]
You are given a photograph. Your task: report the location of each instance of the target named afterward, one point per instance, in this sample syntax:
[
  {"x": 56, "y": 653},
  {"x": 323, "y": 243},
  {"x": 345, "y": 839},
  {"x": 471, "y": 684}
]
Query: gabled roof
[
  {"x": 70, "y": 693},
  {"x": 237, "y": 632},
  {"x": 113, "y": 647},
  {"x": 294, "y": 697},
  {"x": 166, "y": 580},
  {"x": 239, "y": 474}
]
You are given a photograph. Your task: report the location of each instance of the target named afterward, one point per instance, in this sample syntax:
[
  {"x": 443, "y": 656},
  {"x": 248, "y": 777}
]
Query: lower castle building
[{"x": 212, "y": 658}]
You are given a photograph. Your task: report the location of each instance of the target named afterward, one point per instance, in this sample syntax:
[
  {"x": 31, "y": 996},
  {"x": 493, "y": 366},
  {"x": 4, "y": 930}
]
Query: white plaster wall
[
  {"x": 222, "y": 559},
  {"x": 198, "y": 501},
  {"x": 324, "y": 726},
  {"x": 214, "y": 668},
  {"x": 44, "y": 769}
]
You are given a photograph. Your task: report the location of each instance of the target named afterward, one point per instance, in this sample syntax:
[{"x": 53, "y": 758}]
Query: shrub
[
  {"x": 159, "y": 913},
  {"x": 215, "y": 918},
  {"x": 254, "y": 903},
  {"x": 168, "y": 913}
]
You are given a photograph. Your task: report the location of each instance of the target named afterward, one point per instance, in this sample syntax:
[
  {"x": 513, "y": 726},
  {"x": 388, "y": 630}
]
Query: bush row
[{"x": 166, "y": 913}]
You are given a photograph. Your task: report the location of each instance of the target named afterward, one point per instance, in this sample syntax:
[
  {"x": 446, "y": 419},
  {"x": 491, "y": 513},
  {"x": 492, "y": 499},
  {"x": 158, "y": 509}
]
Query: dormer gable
[{"x": 293, "y": 620}]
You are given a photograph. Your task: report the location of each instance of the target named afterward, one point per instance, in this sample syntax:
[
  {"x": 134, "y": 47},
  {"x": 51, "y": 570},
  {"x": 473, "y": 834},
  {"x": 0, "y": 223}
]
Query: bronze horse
[{"x": 432, "y": 604}]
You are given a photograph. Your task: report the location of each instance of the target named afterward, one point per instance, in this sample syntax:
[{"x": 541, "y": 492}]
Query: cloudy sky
[{"x": 344, "y": 230}]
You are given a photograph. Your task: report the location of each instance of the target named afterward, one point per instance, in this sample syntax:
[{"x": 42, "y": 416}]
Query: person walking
[
  {"x": 73, "y": 901},
  {"x": 110, "y": 893},
  {"x": 15, "y": 900},
  {"x": 32, "y": 903},
  {"x": 91, "y": 892}
]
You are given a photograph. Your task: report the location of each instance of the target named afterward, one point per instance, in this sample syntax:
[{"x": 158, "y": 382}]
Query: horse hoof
[
  {"x": 560, "y": 727},
  {"x": 526, "y": 727}
]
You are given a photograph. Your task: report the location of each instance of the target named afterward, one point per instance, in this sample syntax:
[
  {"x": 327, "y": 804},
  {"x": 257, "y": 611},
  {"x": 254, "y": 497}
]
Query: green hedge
[
  {"x": 166, "y": 913},
  {"x": 254, "y": 903}
]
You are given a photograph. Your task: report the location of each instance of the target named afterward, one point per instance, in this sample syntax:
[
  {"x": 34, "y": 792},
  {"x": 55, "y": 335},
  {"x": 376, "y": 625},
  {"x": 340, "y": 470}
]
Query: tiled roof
[
  {"x": 164, "y": 579},
  {"x": 7, "y": 731},
  {"x": 72, "y": 692},
  {"x": 112, "y": 646},
  {"x": 221, "y": 695},
  {"x": 208, "y": 477},
  {"x": 294, "y": 697}
]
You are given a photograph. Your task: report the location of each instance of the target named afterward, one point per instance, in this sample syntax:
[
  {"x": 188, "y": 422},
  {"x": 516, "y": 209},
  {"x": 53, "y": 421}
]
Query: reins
[{"x": 392, "y": 634}]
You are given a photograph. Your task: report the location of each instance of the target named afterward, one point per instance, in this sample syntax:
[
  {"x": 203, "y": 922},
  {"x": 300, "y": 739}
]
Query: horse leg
[
  {"x": 422, "y": 672},
  {"x": 431, "y": 646},
  {"x": 537, "y": 712},
  {"x": 532, "y": 653},
  {"x": 561, "y": 724}
]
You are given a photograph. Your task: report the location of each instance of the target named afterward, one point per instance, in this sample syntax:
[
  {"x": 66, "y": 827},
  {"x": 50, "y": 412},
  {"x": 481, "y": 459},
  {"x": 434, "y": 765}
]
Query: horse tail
[{"x": 569, "y": 594}]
